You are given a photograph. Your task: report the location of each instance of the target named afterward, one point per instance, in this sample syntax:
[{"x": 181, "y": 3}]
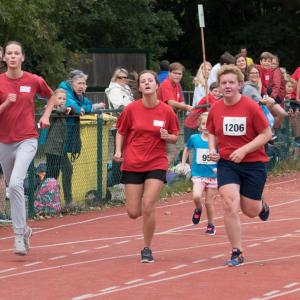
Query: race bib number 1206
[{"x": 235, "y": 126}]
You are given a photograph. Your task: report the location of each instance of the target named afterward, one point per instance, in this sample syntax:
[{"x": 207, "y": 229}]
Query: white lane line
[
  {"x": 199, "y": 261},
  {"x": 297, "y": 230},
  {"x": 271, "y": 293},
  {"x": 57, "y": 257},
  {"x": 281, "y": 294},
  {"x": 33, "y": 264},
  {"x": 83, "y": 297},
  {"x": 218, "y": 256},
  {"x": 123, "y": 242},
  {"x": 134, "y": 281},
  {"x": 253, "y": 245},
  {"x": 270, "y": 240},
  {"x": 291, "y": 285},
  {"x": 109, "y": 288},
  {"x": 286, "y": 235},
  {"x": 157, "y": 274},
  {"x": 199, "y": 272},
  {"x": 7, "y": 270},
  {"x": 80, "y": 252},
  {"x": 102, "y": 247},
  {"x": 179, "y": 267}
]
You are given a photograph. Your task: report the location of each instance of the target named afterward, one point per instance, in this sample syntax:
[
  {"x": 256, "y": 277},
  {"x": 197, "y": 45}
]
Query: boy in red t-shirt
[
  {"x": 239, "y": 129},
  {"x": 170, "y": 92}
]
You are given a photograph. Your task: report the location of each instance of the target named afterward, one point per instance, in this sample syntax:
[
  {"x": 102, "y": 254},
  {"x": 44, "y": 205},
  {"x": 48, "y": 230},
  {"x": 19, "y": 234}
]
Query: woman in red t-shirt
[
  {"x": 18, "y": 134},
  {"x": 144, "y": 128}
]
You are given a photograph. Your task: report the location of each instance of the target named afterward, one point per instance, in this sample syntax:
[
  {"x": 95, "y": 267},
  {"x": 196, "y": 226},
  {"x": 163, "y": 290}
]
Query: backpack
[{"x": 47, "y": 197}]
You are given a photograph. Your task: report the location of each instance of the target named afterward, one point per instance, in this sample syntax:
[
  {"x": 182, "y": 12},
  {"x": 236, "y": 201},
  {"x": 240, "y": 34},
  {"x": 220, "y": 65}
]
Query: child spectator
[
  {"x": 203, "y": 174},
  {"x": 265, "y": 72},
  {"x": 191, "y": 121},
  {"x": 293, "y": 107}
]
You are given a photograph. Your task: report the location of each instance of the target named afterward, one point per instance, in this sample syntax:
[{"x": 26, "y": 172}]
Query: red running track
[{"x": 96, "y": 255}]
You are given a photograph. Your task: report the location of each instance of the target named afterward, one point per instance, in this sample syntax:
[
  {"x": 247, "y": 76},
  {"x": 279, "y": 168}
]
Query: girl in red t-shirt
[
  {"x": 18, "y": 135},
  {"x": 144, "y": 128}
]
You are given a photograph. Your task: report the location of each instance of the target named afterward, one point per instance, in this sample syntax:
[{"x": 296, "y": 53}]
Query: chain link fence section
[{"x": 94, "y": 176}]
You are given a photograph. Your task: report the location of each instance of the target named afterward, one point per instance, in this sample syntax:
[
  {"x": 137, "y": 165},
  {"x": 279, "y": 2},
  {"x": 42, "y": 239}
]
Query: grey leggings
[{"x": 15, "y": 159}]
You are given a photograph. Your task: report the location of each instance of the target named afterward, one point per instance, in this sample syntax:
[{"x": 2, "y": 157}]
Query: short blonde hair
[
  {"x": 230, "y": 69},
  {"x": 59, "y": 90},
  {"x": 204, "y": 115}
]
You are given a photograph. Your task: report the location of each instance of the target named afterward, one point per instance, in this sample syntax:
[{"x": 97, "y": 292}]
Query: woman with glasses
[
  {"x": 252, "y": 89},
  {"x": 119, "y": 93}
]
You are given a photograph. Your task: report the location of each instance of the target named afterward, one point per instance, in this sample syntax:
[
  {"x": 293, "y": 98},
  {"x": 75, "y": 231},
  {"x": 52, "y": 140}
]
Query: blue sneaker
[{"x": 236, "y": 259}]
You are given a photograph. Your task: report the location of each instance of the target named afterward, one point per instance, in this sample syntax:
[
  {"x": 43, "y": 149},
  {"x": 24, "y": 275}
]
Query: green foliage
[
  {"x": 271, "y": 25},
  {"x": 53, "y": 32},
  {"x": 286, "y": 166}
]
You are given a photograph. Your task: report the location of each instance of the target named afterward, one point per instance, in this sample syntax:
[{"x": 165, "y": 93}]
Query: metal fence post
[
  {"x": 99, "y": 156},
  {"x": 31, "y": 190}
]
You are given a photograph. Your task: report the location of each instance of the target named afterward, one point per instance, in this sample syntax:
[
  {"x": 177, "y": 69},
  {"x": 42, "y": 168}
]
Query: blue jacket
[
  {"x": 74, "y": 101},
  {"x": 73, "y": 141}
]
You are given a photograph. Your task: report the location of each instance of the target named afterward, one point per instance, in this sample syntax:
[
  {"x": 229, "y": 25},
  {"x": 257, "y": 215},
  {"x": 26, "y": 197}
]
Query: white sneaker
[
  {"x": 27, "y": 236},
  {"x": 20, "y": 248}
]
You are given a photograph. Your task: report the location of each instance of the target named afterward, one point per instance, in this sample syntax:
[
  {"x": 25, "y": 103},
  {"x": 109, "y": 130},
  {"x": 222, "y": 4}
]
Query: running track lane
[{"x": 96, "y": 255}]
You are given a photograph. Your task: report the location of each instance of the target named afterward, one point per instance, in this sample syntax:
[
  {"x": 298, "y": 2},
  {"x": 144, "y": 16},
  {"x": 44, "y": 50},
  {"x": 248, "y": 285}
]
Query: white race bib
[
  {"x": 158, "y": 123},
  {"x": 235, "y": 126},
  {"x": 25, "y": 89},
  {"x": 202, "y": 157}
]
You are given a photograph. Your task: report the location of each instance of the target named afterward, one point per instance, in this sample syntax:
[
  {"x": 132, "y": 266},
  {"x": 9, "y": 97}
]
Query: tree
[{"x": 54, "y": 33}]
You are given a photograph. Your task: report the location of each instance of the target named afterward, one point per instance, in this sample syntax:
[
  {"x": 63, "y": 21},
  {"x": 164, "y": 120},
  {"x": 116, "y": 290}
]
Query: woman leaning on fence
[
  {"x": 18, "y": 134},
  {"x": 144, "y": 128},
  {"x": 74, "y": 87}
]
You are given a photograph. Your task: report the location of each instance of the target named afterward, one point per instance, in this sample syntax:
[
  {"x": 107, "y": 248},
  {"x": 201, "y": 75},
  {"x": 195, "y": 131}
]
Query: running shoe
[
  {"x": 211, "y": 229},
  {"x": 265, "y": 212},
  {"x": 27, "y": 236},
  {"x": 20, "y": 247},
  {"x": 196, "y": 215},
  {"x": 146, "y": 255},
  {"x": 236, "y": 259}
]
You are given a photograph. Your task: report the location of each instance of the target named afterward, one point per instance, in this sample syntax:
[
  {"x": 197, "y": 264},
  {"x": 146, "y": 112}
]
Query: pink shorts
[{"x": 206, "y": 182}]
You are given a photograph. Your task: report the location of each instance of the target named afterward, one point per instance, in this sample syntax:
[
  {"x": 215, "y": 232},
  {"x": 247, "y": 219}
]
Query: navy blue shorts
[
  {"x": 251, "y": 177},
  {"x": 140, "y": 177}
]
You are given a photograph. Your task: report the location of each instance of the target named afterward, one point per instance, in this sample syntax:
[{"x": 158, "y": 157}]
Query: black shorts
[
  {"x": 250, "y": 176},
  {"x": 1, "y": 171},
  {"x": 140, "y": 177}
]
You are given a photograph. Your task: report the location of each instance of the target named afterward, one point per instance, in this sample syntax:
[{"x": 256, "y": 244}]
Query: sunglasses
[{"x": 122, "y": 77}]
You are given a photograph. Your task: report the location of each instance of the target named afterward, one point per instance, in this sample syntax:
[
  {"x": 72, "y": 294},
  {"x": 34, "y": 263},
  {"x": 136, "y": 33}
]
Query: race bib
[
  {"x": 235, "y": 126},
  {"x": 202, "y": 157},
  {"x": 158, "y": 123},
  {"x": 25, "y": 89}
]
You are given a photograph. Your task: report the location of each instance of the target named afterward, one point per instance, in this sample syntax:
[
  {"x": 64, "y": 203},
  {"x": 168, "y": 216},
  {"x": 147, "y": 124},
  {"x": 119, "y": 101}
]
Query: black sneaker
[
  {"x": 196, "y": 215},
  {"x": 265, "y": 212},
  {"x": 146, "y": 255},
  {"x": 236, "y": 258},
  {"x": 211, "y": 229}
]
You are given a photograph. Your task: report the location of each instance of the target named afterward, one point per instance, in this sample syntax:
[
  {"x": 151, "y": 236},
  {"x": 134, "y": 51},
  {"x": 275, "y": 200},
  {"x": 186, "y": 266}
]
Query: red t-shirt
[
  {"x": 144, "y": 150},
  {"x": 191, "y": 121},
  {"x": 17, "y": 120},
  {"x": 266, "y": 76},
  {"x": 296, "y": 76},
  {"x": 169, "y": 90},
  {"x": 237, "y": 125}
]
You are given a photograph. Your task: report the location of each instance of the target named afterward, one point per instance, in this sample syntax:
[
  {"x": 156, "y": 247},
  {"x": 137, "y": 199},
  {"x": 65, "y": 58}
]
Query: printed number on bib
[
  {"x": 235, "y": 126},
  {"x": 202, "y": 157}
]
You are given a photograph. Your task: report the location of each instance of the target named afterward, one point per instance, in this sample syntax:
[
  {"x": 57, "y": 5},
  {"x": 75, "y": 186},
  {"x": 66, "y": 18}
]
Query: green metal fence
[{"x": 94, "y": 176}]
